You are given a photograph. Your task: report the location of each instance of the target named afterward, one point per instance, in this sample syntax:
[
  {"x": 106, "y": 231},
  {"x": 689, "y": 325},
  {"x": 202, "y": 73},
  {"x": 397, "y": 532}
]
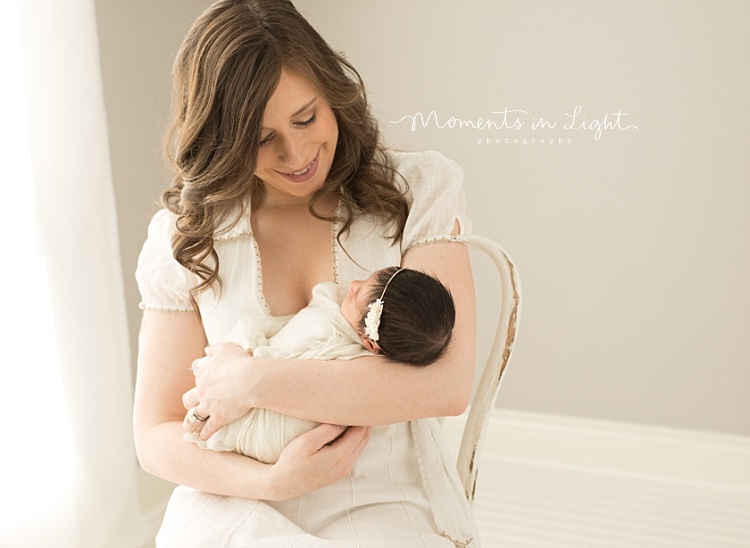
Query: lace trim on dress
[
  {"x": 240, "y": 225},
  {"x": 164, "y": 308},
  {"x": 335, "y": 243},
  {"x": 259, "y": 276},
  {"x": 235, "y": 233},
  {"x": 444, "y": 238}
]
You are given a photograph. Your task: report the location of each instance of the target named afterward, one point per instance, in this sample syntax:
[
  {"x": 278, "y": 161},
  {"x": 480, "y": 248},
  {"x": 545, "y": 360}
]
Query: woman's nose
[{"x": 290, "y": 153}]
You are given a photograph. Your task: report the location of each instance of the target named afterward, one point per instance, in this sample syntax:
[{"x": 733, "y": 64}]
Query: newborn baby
[{"x": 405, "y": 315}]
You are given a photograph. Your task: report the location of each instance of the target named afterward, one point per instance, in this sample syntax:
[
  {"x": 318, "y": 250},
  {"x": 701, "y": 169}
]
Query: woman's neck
[{"x": 271, "y": 201}]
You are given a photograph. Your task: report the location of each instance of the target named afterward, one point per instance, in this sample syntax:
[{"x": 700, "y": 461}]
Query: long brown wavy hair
[{"x": 225, "y": 72}]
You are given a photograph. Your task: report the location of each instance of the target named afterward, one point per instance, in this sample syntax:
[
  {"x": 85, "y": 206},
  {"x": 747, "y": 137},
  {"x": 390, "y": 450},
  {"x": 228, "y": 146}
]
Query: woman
[{"x": 281, "y": 184}]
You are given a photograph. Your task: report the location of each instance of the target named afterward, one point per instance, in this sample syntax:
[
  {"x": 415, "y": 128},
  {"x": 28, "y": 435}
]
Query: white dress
[{"x": 404, "y": 490}]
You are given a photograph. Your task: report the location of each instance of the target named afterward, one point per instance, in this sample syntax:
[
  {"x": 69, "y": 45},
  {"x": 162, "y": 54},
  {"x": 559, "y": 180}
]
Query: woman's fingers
[
  {"x": 318, "y": 458},
  {"x": 323, "y": 435},
  {"x": 193, "y": 421},
  {"x": 347, "y": 448},
  {"x": 198, "y": 417},
  {"x": 363, "y": 440},
  {"x": 190, "y": 398},
  {"x": 209, "y": 428},
  {"x": 197, "y": 364}
]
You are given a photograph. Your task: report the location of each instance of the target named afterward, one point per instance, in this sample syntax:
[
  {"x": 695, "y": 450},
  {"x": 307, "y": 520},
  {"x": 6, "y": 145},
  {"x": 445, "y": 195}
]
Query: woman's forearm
[
  {"x": 163, "y": 453},
  {"x": 311, "y": 461},
  {"x": 364, "y": 391}
]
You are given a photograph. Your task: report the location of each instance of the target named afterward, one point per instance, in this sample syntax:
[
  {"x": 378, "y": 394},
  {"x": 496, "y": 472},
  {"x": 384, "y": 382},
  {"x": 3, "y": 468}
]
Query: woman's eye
[
  {"x": 303, "y": 124},
  {"x": 307, "y": 122}
]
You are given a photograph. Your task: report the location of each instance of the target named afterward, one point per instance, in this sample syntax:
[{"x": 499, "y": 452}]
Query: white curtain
[{"x": 69, "y": 473}]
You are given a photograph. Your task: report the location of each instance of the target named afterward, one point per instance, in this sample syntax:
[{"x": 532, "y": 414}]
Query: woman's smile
[{"x": 305, "y": 173}]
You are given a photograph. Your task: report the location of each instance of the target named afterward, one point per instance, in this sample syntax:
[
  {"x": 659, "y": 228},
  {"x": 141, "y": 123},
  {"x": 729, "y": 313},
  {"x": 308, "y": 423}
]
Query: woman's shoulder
[
  {"x": 424, "y": 168},
  {"x": 163, "y": 282},
  {"x": 235, "y": 224},
  {"x": 425, "y": 173},
  {"x": 434, "y": 188},
  {"x": 162, "y": 221}
]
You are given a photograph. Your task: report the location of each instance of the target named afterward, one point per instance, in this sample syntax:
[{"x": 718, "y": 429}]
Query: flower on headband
[{"x": 372, "y": 320}]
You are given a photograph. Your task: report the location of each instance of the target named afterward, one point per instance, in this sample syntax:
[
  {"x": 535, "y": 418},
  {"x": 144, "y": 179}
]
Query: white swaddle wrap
[{"x": 318, "y": 331}]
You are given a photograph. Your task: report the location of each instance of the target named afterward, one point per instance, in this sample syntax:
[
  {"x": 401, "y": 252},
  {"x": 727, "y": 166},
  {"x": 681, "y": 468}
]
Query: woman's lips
[{"x": 304, "y": 174}]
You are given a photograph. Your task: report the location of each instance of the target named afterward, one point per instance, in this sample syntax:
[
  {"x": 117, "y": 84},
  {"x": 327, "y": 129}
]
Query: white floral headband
[{"x": 372, "y": 320}]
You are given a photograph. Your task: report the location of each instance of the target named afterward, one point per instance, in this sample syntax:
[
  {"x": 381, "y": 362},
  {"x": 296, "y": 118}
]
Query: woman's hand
[
  {"x": 221, "y": 387},
  {"x": 316, "y": 459}
]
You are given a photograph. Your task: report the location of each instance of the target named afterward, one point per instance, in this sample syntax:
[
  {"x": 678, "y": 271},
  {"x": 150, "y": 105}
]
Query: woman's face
[
  {"x": 298, "y": 141},
  {"x": 357, "y": 298}
]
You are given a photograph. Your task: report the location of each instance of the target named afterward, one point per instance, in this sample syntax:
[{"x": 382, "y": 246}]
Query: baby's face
[{"x": 357, "y": 298}]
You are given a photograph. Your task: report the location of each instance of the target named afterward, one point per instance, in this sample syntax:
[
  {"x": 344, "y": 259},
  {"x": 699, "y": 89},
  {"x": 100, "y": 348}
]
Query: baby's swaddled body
[{"x": 318, "y": 331}]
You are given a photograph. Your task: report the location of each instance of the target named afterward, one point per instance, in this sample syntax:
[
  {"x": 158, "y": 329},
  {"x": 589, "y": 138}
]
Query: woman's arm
[
  {"x": 364, "y": 391},
  {"x": 168, "y": 344}
]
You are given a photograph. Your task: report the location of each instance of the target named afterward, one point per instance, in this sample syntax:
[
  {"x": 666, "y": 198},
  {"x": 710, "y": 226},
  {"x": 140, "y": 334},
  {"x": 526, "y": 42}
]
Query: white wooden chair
[{"x": 484, "y": 398}]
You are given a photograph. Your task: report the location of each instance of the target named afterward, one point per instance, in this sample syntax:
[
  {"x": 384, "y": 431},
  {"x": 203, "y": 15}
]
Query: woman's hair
[
  {"x": 225, "y": 72},
  {"x": 418, "y": 315}
]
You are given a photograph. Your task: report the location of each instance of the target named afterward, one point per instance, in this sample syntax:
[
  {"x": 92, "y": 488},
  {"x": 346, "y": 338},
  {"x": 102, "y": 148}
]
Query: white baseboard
[{"x": 671, "y": 455}]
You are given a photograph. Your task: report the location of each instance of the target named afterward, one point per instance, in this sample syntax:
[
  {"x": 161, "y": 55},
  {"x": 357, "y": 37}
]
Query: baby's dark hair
[{"x": 417, "y": 319}]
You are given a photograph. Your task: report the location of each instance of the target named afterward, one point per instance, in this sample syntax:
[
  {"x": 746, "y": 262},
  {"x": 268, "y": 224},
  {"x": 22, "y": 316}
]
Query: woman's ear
[{"x": 370, "y": 344}]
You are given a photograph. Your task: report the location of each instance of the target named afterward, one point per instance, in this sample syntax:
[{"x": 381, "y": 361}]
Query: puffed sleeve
[
  {"x": 163, "y": 282},
  {"x": 436, "y": 196}
]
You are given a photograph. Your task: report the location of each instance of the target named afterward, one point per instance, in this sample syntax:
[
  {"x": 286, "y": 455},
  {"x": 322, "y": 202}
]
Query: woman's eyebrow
[
  {"x": 304, "y": 107},
  {"x": 298, "y": 111}
]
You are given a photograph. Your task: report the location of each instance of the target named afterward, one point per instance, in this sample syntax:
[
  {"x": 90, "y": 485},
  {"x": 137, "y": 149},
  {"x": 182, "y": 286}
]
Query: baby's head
[{"x": 406, "y": 315}]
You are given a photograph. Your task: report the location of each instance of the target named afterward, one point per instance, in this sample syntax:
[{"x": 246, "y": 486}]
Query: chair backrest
[{"x": 489, "y": 384}]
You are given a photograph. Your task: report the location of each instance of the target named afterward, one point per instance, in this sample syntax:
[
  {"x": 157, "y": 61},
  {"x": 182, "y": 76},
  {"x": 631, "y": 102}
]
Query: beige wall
[
  {"x": 138, "y": 41},
  {"x": 633, "y": 248}
]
